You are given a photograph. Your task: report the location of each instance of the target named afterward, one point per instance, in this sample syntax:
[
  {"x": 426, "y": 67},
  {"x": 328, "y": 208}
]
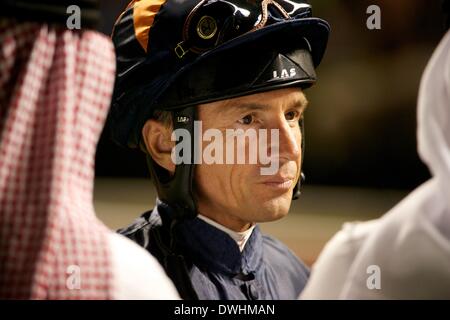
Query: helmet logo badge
[
  {"x": 284, "y": 73},
  {"x": 183, "y": 119},
  {"x": 207, "y": 27}
]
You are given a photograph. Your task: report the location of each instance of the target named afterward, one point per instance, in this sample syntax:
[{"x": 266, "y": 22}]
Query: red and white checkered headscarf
[{"x": 55, "y": 90}]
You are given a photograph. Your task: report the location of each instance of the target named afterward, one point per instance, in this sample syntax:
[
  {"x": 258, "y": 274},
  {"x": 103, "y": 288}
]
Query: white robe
[
  {"x": 137, "y": 275},
  {"x": 411, "y": 243}
]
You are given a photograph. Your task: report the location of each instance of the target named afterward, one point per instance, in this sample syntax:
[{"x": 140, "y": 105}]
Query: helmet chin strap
[
  {"x": 298, "y": 187},
  {"x": 177, "y": 190}
]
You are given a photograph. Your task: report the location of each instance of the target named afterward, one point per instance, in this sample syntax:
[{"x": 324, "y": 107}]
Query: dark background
[{"x": 361, "y": 121}]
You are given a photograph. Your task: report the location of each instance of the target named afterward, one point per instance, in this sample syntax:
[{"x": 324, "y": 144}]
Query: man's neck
[
  {"x": 240, "y": 237},
  {"x": 230, "y": 222}
]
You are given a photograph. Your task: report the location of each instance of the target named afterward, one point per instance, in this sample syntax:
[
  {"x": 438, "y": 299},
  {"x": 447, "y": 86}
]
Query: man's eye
[
  {"x": 248, "y": 119},
  {"x": 291, "y": 115}
]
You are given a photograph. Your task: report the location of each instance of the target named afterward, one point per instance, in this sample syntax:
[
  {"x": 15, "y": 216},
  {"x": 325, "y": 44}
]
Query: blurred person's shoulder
[
  {"x": 409, "y": 249},
  {"x": 136, "y": 273},
  {"x": 329, "y": 272}
]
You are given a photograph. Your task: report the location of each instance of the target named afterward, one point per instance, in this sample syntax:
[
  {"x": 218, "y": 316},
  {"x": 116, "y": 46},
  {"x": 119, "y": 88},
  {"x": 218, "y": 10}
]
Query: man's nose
[{"x": 289, "y": 140}]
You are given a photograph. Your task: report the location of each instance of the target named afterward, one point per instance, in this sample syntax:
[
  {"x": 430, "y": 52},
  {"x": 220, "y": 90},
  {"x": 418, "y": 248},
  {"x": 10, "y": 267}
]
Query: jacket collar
[{"x": 211, "y": 248}]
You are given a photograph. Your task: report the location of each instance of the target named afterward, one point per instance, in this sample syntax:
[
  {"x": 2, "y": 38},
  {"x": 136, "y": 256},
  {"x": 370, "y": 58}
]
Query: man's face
[{"x": 237, "y": 195}]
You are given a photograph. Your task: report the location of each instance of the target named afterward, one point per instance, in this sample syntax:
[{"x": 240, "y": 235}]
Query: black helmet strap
[
  {"x": 296, "y": 192},
  {"x": 177, "y": 190}
]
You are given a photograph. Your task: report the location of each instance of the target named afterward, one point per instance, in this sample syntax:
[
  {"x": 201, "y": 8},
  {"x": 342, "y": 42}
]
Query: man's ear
[{"x": 158, "y": 143}]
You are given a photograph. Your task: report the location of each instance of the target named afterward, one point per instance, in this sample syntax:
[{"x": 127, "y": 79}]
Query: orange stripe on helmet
[
  {"x": 121, "y": 15},
  {"x": 144, "y": 12}
]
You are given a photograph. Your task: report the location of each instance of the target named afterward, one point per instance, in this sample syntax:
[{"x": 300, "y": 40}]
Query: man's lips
[{"x": 281, "y": 183}]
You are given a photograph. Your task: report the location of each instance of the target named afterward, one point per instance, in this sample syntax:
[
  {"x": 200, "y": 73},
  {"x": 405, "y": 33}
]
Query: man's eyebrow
[
  {"x": 243, "y": 107},
  {"x": 251, "y": 106},
  {"x": 300, "y": 103}
]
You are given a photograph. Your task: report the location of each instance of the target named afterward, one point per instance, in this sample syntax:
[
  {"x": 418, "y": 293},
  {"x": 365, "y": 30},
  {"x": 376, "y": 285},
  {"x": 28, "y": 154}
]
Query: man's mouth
[{"x": 279, "y": 183}]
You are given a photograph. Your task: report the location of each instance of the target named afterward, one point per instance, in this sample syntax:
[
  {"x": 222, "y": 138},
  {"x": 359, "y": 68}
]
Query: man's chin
[{"x": 273, "y": 209}]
